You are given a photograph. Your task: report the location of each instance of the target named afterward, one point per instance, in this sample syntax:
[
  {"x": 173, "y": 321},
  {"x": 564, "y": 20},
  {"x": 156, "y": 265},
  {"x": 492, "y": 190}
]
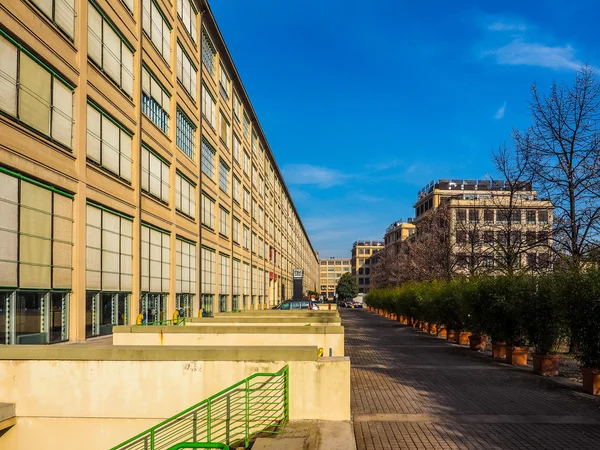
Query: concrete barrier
[
  {"x": 70, "y": 397},
  {"x": 325, "y": 337},
  {"x": 264, "y": 321}
]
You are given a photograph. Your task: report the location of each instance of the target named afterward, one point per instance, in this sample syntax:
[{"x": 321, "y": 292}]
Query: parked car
[
  {"x": 345, "y": 303},
  {"x": 357, "y": 304},
  {"x": 297, "y": 304}
]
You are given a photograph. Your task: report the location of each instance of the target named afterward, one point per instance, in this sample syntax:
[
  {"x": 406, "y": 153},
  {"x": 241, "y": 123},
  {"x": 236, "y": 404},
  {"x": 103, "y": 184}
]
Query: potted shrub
[
  {"x": 584, "y": 312},
  {"x": 476, "y": 317},
  {"x": 503, "y": 298},
  {"x": 545, "y": 324}
]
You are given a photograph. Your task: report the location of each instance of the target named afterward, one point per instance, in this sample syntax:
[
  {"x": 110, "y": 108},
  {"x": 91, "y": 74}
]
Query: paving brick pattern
[{"x": 414, "y": 391}]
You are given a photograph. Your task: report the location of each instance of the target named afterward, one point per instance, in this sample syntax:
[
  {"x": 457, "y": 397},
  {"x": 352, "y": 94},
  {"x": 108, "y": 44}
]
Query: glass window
[
  {"x": 236, "y": 107},
  {"x": 155, "y": 101},
  {"x": 236, "y": 230},
  {"x": 185, "y": 278},
  {"x": 61, "y": 12},
  {"x": 224, "y": 83},
  {"x": 185, "y": 194},
  {"x": 223, "y": 176},
  {"x": 225, "y": 130},
  {"x": 208, "y": 211},
  {"x": 208, "y": 52},
  {"x": 186, "y": 134},
  {"x": 245, "y": 237},
  {"x": 103, "y": 310},
  {"x": 44, "y": 102},
  {"x": 208, "y": 157},
  {"x": 186, "y": 71},
  {"x": 155, "y": 175},
  {"x": 155, "y": 260},
  {"x": 207, "y": 279},
  {"x": 209, "y": 106},
  {"x": 188, "y": 15},
  {"x": 109, "y": 50},
  {"x": 224, "y": 222},
  {"x": 246, "y": 163},
  {"x": 236, "y": 149},
  {"x": 108, "y": 144},
  {"x": 236, "y": 189},
  {"x": 246, "y": 126},
  {"x": 157, "y": 29}
]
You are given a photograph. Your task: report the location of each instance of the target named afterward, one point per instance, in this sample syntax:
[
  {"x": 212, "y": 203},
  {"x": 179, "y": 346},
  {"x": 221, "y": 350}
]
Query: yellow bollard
[
  {"x": 200, "y": 311},
  {"x": 139, "y": 319},
  {"x": 320, "y": 354}
]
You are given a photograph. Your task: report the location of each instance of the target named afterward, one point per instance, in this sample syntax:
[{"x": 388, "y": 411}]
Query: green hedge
[{"x": 542, "y": 312}]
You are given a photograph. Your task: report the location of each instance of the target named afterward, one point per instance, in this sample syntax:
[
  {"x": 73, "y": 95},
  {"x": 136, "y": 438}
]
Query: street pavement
[{"x": 415, "y": 391}]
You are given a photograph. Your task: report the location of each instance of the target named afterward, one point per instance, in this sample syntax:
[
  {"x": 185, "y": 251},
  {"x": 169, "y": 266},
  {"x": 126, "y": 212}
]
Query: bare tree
[{"x": 562, "y": 153}]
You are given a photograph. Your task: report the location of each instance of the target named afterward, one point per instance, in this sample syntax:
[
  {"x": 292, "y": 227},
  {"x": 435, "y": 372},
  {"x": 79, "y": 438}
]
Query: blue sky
[{"x": 363, "y": 103}]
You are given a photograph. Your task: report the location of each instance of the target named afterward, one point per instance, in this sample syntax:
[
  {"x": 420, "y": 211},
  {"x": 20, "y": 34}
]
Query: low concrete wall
[
  {"x": 81, "y": 396},
  {"x": 265, "y": 321},
  {"x": 324, "y": 337}
]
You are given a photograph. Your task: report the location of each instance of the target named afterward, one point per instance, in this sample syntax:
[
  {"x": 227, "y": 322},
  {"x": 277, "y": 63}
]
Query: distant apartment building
[
  {"x": 331, "y": 271},
  {"x": 397, "y": 233},
  {"x": 492, "y": 223},
  {"x": 135, "y": 178},
  {"x": 364, "y": 256}
]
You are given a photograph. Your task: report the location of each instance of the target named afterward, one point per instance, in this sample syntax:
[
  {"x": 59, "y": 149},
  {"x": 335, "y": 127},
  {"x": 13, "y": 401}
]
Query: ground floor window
[
  {"x": 260, "y": 299},
  {"x": 254, "y": 302},
  {"x": 206, "y": 303},
  {"x": 185, "y": 304},
  {"x": 103, "y": 310},
  {"x": 153, "y": 307},
  {"x": 245, "y": 302},
  {"x": 34, "y": 317},
  {"x": 235, "y": 305},
  {"x": 223, "y": 303}
]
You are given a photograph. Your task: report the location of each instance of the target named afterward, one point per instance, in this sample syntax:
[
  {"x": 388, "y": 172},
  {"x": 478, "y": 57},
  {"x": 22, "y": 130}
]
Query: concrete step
[{"x": 280, "y": 444}]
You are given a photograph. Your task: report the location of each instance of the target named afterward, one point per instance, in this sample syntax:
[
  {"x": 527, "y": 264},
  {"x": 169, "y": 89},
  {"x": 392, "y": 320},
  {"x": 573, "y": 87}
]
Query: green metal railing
[
  {"x": 257, "y": 404},
  {"x": 180, "y": 321},
  {"x": 183, "y": 445}
]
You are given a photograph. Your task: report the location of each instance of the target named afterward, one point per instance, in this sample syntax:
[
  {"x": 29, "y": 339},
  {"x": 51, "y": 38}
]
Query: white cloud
[
  {"x": 500, "y": 113},
  {"x": 306, "y": 174},
  {"x": 521, "y": 53},
  {"x": 507, "y": 26}
]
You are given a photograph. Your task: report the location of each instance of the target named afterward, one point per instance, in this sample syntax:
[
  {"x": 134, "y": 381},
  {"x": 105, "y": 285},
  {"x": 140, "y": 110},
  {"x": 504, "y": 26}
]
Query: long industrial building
[{"x": 135, "y": 178}]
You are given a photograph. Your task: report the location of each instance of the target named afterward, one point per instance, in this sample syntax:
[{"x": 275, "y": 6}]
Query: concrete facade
[
  {"x": 363, "y": 260},
  {"x": 331, "y": 271},
  {"x": 135, "y": 177},
  {"x": 86, "y": 380},
  {"x": 397, "y": 233},
  {"x": 485, "y": 217}
]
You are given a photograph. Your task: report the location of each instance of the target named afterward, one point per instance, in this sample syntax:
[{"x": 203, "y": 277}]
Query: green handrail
[
  {"x": 257, "y": 404},
  {"x": 182, "y": 445},
  {"x": 179, "y": 322}
]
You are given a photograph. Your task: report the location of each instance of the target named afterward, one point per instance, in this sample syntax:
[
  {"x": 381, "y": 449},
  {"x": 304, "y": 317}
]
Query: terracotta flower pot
[
  {"x": 433, "y": 329},
  {"x": 477, "y": 342},
  {"x": 442, "y": 332},
  {"x": 451, "y": 335},
  {"x": 499, "y": 350},
  {"x": 463, "y": 338},
  {"x": 546, "y": 365},
  {"x": 517, "y": 356},
  {"x": 591, "y": 380}
]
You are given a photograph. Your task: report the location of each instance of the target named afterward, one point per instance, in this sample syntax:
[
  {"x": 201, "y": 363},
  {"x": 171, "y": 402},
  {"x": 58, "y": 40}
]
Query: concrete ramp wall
[{"x": 81, "y": 396}]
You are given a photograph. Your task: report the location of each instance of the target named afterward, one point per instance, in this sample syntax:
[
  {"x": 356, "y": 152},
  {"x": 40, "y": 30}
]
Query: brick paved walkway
[{"x": 414, "y": 391}]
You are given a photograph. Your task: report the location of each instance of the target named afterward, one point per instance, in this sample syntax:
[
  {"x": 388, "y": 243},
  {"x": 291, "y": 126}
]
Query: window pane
[
  {"x": 111, "y": 139},
  {"x": 8, "y": 77},
  {"x": 111, "y": 53},
  {"x": 9, "y": 230},
  {"x": 127, "y": 70},
  {"x": 34, "y": 100},
  {"x": 65, "y": 15},
  {"x": 62, "y": 113}
]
